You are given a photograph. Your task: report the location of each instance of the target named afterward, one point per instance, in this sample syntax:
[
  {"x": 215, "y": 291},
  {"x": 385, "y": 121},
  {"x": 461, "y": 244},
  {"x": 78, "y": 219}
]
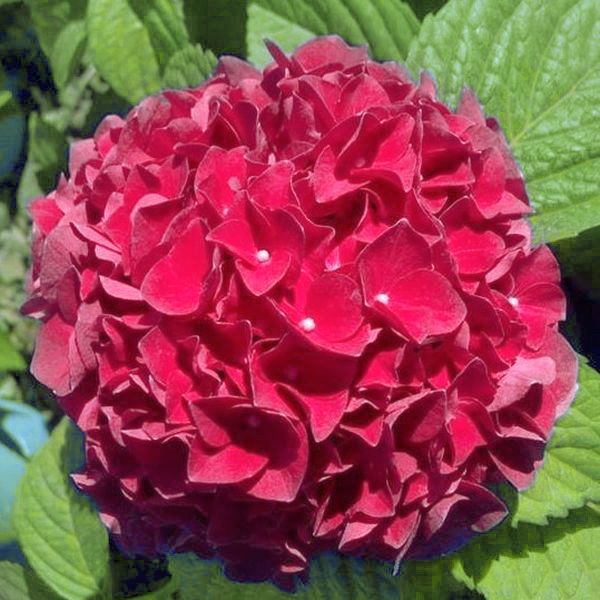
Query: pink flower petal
[{"x": 177, "y": 284}]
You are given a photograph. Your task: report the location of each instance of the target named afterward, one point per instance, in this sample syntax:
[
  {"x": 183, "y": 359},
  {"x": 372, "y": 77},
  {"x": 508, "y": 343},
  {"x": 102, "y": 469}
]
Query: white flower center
[
  {"x": 382, "y": 299},
  {"x": 234, "y": 184},
  {"x": 513, "y": 301},
  {"x": 307, "y": 324},
  {"x": 262, "y": 256}
]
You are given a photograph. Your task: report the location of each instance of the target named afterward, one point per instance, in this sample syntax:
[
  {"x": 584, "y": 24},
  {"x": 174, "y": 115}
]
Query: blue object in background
[
  {"x": 22, "y": 432},
  {"x": 12, "y": 126}
]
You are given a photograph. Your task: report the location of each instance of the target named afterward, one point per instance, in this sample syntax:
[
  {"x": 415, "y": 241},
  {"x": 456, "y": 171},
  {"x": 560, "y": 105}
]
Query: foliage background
[{"x": 64, "y": 64}]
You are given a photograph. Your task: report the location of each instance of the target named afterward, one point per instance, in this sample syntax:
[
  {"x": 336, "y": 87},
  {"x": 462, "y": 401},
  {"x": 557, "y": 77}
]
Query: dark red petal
[
  {"x": 232, "y": 464},
  {"x": 237, "y": 237},
  {"x": 324, "y": 412},
  {"x": 334, "y": 302},
  {"x": 177, "y": 283},
  {"x": 328, "y": 184},
  {"x": 419, "y": 418},
  {"x": 328, "y": 50},
  {"x": 424, "y": 304},
  {"x": 378, "y": 273},
  {"x": 283, "y": 476},
  {"x": 159, "y": 354},
  {"x": 524, "y": 373},
  {"x": 50, "y": 362},
  {"x": 475, "y": 252},
  {"x": 262, "y": 277}
]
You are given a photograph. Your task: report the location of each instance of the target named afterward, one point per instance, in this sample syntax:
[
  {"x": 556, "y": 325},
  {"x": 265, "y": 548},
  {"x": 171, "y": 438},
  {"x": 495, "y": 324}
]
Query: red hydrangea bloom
[{"x": 297, "y": 311}]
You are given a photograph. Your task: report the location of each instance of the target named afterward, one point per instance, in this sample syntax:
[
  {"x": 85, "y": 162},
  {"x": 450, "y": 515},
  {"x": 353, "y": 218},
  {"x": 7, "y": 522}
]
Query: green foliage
[
  {"x": 122, "y": 49},
  {"x": 46, "y": 158},
  {"x": 16, "y": 333},
  {"x": 20, "y": 583},
  {"x": 220, "y": 26},
  {"x": 10, "y": 358},
  {"x": 12, "y": 582},
  {"x": 60, "y": 27},
  {"x": 387, "y": 26},
  {"x": 423, "y": 7},
  {"x": 264, "y": 25},
  {"x": 536, "y": 66},
  {"x": 331, "y": 578},
  {"x": 58, "y": 528},
  {"x": 188, "y": 67},
  {"x": 8, "y": 106},
  {"x": 557, "y": 562},
  {"x": 134, "y": 43}
]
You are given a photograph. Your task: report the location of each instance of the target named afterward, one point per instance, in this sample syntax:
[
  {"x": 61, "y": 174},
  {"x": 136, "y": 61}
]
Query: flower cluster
[{"x": 297, "y": 311}]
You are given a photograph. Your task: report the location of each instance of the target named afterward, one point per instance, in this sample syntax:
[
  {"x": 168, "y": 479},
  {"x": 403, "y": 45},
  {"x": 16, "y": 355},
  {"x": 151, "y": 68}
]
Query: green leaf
[
  {"x": 431, "y": 580},
  {"x": 557, "y": 562},
  {"x": 168, "y": 591},
  {"x": 570, "y": 476},
  {"x": 331, "y": 578},
  {"x": 188, "y": 67},
  {"x": 220, "y": 26},
  {"x": 387, "y": 26},
  {"x": 12, "y": 582},
  {"x": 60, "y": 27},
  {"x": 13, "y": 468},
  {"x": 424, "y": 7},
  {"x": 10, "y": 359},
  {"x": 264, "y": 24},
  {"x": 132, "y": 42},
  {"x": 135, "y": 575},
  {"x": 20, "y": 583},
  {"x": 535, "y": 65},
  {"x": 8, "y": 106},
  {"x": 67, "y": 51},
  {"x": 46, "y": 158},
  {"x": 58, "y": 528},
  {"x": 204, "y": 580}
]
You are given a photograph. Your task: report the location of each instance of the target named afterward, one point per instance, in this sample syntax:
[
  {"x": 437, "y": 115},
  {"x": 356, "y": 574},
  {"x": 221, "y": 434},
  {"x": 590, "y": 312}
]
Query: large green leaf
[
  {"x": 557, "y": 562},
  {"x": 13, "y": 468},
  {"x": 331, "y": 578},
  {"x": 20, "y": 583},
  {"x": 220, "y": 26},
  {"x": 264, "y": 24},
  {"x": 204, "y": 580},
  {"x": 536, "y": 66},
  {"x": 60, "y": 27},
  {"x": 132, "y": 42},
  {"x": 424, "y": 7},
  {"x": 387, "y": 26},
  {"x": 570, "y": 476},
  {"x": 13, "y": 585},
  {"x": 188, "y": 67},
  {"x": 58, "y": 528}
]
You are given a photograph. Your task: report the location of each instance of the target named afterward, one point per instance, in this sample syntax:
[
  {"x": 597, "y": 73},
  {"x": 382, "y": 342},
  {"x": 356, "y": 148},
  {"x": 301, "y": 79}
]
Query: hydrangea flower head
[{"x": 299, "y": 310}]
